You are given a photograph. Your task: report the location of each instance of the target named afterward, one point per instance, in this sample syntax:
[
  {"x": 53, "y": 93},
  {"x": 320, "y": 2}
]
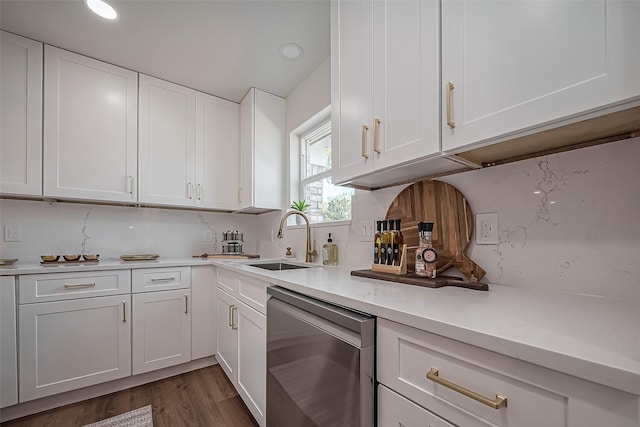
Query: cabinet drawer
[
  {"x": 253, "y": 292},
  {"x": 395, "y": 410},
  {"x": 228, "y": 281},
  {"x": 535, "y": 396},
  {"x": 61, "y": 286},
  {"x": 160, "y": 279}
]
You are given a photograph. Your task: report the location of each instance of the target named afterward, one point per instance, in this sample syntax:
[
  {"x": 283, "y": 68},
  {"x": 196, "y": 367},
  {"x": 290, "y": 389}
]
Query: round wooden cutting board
[{"x": 448, "y": 209}]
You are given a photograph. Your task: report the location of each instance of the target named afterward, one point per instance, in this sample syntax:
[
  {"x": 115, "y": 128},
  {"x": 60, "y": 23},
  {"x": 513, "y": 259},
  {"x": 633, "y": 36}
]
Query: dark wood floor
[{"x": 199, "y": 398}]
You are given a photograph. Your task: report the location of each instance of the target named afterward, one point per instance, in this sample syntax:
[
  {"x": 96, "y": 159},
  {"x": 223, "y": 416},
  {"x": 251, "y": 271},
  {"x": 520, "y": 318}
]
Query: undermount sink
[{"x": 276, "y": 266}]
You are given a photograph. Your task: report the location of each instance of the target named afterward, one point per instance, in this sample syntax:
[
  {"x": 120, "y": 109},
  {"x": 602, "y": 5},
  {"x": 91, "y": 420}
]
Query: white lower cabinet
[
  {"x": 66, "y": 345},
  {"x": 472, "y": 387},
  {"x": 242, "y": 339},
  {"x": 252, "y": 360},
  {"x": 8, "y": 343},
  {"x": 161, "y": 329},
  {"x": 396, "y": 411}
]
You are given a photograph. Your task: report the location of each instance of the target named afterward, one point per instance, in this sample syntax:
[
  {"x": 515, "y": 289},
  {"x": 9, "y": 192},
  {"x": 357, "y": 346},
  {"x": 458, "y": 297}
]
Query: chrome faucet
[{"x": 310, "y": 252}]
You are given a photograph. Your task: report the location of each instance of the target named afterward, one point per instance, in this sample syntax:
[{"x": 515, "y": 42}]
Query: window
[{"x": 327, "y": 202}]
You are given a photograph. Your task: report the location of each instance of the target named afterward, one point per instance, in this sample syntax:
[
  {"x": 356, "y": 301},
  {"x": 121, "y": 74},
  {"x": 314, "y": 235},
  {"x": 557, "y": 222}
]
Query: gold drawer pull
[
  {"x": 450, "y": 122},
  {"x": 231, "y": 307},
  {"x": 365, "y": 128},
  {"x": 124, "y": 311},
  {"x": 186, "y": 304},
  {"x": 497, "y": 403},
  {"x": 82, "y": 285},
  {"x": 164, "y": 279}
]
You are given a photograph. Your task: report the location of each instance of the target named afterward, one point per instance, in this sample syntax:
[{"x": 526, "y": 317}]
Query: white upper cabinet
[
  {"x": 90, "y": 128},
  {"x": 262, "y": 120},
  {"x": 385, "y": 72},
  {"x": 217, "y": 152},
  {"x": 517, "y": 65},
  {"x": 167, "y": 143},
  {"x": 21, "y": 118},
  {"x": 189, "y": 147}
]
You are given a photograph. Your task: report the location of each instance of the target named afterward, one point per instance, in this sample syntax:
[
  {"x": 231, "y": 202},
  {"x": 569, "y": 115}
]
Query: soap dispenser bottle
[{"x": 329, "y": 252}]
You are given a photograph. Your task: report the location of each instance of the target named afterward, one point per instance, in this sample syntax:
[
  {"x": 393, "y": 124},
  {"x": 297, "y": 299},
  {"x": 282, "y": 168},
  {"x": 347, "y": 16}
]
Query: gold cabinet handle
[
  {"x": 365, "y": 128},
  {"x": 496, "y": 403},
  {"x": 124, "y": 311},
  {"x": 186, "y": 304},
  {"x": 199, "y": 191},
  {"x": 163, "y": 279},
  {"x": 450, "y": 86},
  {"x": 190, "y": 190},
  {"x": 234, "y": 326},
  {"x": 130, "y": 184},
  {"x": 231, "y": 307},
  {"x": 81, "y": 285},
  {"x": 376, "y": 126}
]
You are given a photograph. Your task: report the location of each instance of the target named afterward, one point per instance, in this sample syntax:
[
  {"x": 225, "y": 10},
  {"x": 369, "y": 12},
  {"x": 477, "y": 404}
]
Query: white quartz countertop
[
  {"x": 590, "y": 337},
  {"x": 594, "y": 338}
]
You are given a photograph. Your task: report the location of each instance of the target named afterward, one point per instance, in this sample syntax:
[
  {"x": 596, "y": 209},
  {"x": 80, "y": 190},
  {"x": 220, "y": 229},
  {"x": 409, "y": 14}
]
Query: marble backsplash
[
  {"x": 567, "y": 222},
  {"x": 110, "y": 231}
]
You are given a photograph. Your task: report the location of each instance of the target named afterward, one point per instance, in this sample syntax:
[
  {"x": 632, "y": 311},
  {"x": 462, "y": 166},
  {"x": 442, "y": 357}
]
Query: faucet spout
[{"x": 310, "y": 253}]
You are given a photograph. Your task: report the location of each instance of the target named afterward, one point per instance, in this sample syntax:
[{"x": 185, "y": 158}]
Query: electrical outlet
[
  {"x": 12, "y": 233},
  {"x": 207, "y": 236},
  {"x": 366, "y": 231},
  {"x": 487, "y": 228}
]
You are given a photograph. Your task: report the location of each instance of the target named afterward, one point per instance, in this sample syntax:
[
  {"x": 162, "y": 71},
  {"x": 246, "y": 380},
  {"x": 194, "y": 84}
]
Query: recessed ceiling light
[
  {"x": 102, "y": 9},
  {"x": 290, "y": 51}
]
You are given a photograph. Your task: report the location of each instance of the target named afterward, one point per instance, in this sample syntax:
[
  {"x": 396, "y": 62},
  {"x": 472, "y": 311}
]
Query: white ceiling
[{"x": 218, "y": 47}]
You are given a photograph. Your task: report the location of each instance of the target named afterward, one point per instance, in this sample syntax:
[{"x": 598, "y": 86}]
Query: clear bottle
[
  {"x": 399, "y": 241},
  {"x": 426, "y": 255},
  {"x": 422, "y": 245},
  {"x": 330, "y": 252},
  {"x": 377, "y": 243},
  {"x": 392, "y": 246}
]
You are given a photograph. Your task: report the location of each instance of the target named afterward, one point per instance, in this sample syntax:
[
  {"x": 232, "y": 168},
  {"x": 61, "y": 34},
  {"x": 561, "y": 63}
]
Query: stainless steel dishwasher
[{"x": 320, "y": 363}]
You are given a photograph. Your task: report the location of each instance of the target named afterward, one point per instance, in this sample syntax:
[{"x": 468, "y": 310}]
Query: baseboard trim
[{"x": 62, "y": 399}]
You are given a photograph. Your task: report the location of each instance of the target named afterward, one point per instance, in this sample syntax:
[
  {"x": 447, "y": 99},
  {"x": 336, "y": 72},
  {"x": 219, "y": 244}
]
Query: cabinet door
[
  {"x": 203, "y": 312},
  {"x": 262, "y": 118},
  {"x": 520, "y": 64},
  {"x": 351, "y": 89},
  {"x": 395, "y": 410},
  {"x": 406, "y": 73},
  {"x": 90, "y": 128},
  {"x": 252, "y": 362},
  {"x": 21, "y": 118},
  {"x": 66, "y": 345},
  {"x": 227, "y": 348},
  {"x": 167, "y": 143},
  {"x": 217, "y": 152},
  {"x": 8, "y": 349},
  {"x": 161, "y": 329}
]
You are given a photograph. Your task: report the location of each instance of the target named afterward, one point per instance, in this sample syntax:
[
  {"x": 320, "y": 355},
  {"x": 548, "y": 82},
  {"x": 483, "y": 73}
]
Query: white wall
[{"x": 111, "y": 231}]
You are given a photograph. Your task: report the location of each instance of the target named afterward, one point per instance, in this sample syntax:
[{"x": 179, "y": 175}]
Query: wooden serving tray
[{"x": 413, "y": 279}]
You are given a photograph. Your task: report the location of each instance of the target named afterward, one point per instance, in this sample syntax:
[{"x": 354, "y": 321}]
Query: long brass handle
[
  {"x": 82, "y": 285},
  {"x": 365, "y": 128},
  {"x": 376, "y": 126},
  {"x": 199, "y": 191},
  {"x": 450, "y": 86},
  {"x": 190, "y": 190},
  {"x": 234, "y": 326},
  {"x": 130, "y": 184},
  {"x": 163, "y": 279},
  {"x": 231, "y": 307},
  {"x": 186, "y": 304},
  {"x": 496, "y": 403},
  {"x": 124, "y": 311}
]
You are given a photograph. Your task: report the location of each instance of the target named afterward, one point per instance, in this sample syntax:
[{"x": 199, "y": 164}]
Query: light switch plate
[
  {"x": 12, "y": 233},
  {"x": 366, "y": 231},
  {"x": 487, "y": 228}
]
